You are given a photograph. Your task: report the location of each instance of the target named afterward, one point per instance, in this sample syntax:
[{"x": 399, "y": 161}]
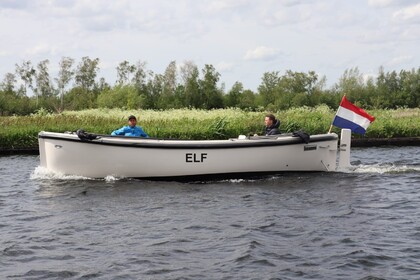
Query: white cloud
[
  {"x": 400, "y": 60},
  {"x": 41, "y": 50},
  {"x": 4, "y": 53},
  {"x": 224, "y": 66},
  {"x": 325, "y": 36},
  {"x": 261, "y": 53},
  {"x": 379, "y": 3},
  {"x": 411, "y": 13},
  {"x": 218, "y": 6}
]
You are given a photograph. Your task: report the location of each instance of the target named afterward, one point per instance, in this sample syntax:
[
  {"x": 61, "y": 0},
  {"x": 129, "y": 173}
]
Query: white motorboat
[{"x": 99, "y": 156}]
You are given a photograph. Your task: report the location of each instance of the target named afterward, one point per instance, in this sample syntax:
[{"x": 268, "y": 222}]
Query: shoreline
[{"x": 355, "y": 143}]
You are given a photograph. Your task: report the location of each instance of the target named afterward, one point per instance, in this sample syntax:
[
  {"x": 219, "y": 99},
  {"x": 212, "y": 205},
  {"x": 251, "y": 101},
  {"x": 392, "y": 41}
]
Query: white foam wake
[
  {"x": 42, "y": 173},
  {"x": 383, "y": 168}
]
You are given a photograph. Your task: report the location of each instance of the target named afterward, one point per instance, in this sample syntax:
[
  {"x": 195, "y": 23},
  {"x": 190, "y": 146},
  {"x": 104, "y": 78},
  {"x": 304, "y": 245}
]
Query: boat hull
[{"x": 154, "y": 158}]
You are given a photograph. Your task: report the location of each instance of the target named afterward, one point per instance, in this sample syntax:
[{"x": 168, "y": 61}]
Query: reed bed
[{"x": 21, "y": 131}]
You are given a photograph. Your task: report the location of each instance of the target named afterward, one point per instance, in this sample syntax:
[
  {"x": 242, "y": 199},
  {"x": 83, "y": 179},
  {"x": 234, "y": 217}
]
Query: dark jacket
[{"x": 274, "y": 129}]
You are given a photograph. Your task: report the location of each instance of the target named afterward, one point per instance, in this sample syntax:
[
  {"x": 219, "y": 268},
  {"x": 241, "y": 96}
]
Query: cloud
[
  {"x": 285, "y": 13},
  {"x": 41, "y": 50},
  {"x": 397, "y": 61},
  {"x": 411, "y": 13},
  {"x": 218, "y": 6},
  {"x": 4, "y": 53},
  {"x": 389, "y": 3},
  {"x": 261, "y": 53},
  {"x": 224, "y": 66},
  {"x": 15, "y": 5},
  {"x": 379, "y": 3}
]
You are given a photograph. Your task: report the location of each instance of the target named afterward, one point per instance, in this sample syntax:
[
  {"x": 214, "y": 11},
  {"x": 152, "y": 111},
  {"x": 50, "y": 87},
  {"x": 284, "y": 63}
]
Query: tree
[
  {"x": 65, "y": 74},
  {"x": 170, "y": 77},
  {"x": 7, "y": 94},
  {"x": 169, "y": 86},
  {"x": 299, "y": 82},
  {"x": 350, "y": 83},
  {"x": 208, "y": 85},
  {"x": 121, "y": 96},
  {"x": 124, "y": 69},
  {"x": 386, "y": 85},
  {"x": 8, "y": 84},
  {"x": 11, "y": 101},
  {"x": 233, "y": 98},
  {"x": 157, "y": 90},
  {"x": 247, "y": 100},
  {"x": 43, "y": 82},
  {"x": 26, "y": 72},
  {"x": 268, "y": 86},
  {"x": 410, "y": 82},
  {"x": 86, "y": 73},
  {"x": 87, "y": 89},
  {"x": 190, "y": 78},
  {"x": 140, "y": 74}
]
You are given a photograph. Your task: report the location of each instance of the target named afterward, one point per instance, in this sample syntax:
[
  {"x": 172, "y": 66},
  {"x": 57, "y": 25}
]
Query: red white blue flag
[{"x": 352, "y": 117}]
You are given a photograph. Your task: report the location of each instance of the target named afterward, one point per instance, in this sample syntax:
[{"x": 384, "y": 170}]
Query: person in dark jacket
[
  {"x": 131, "y": 129},
  {"x": 271, "y": 125}
]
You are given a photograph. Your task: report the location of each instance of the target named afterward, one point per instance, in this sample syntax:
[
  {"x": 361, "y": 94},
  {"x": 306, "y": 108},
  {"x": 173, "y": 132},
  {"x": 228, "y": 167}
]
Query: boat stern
[
  {"x": 345, "y": 144},
  {"x": 42, "y": 155}
]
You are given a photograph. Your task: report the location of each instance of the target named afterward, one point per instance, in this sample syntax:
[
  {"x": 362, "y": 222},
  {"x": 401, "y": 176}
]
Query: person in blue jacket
[{"x": 131, "y": 129}]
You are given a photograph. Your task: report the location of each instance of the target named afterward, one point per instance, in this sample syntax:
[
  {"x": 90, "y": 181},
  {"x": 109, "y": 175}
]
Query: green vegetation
[
  {"x": 30, "y": 88},
  {"x": 31, "y": 101},
  {"x": 21, "y": 131}
]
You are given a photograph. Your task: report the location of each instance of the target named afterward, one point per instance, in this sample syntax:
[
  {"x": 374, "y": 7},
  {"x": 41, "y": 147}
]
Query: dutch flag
[{"x": 352, "y": 117}]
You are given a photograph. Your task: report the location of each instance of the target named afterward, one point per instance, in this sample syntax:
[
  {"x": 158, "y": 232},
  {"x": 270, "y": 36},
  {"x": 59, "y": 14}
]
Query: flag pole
[
  {"x": 329, "y": 131},
  {"x": 331, "y": 126}
]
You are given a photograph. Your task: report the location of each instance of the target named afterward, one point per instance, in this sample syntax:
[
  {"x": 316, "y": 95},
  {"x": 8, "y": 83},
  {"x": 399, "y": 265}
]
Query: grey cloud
[{"x": 16, "y": 5}]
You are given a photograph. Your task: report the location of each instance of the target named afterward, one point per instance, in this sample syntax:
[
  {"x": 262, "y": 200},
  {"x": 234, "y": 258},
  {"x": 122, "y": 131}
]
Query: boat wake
[
  {"x": 383, "y": 168},
  {"x": 41, "y": 173}
]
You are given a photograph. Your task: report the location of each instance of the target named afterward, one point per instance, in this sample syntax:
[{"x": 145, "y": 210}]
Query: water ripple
[{"x": 358, "y": 224}]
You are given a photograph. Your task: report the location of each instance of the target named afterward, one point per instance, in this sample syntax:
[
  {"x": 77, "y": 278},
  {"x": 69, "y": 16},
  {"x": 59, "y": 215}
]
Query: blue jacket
[{"x": 130, "y": 131}]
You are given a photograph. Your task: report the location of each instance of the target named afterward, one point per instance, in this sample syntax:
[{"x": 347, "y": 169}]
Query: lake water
[{"x": 363, "y": 224}]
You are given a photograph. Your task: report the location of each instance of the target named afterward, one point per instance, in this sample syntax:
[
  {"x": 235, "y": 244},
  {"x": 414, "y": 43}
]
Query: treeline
[{"x": 76, "y": 87}]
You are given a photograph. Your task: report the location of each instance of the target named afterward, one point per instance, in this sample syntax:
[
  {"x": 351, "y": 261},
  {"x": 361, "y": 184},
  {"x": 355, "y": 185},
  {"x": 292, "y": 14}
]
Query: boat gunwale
[{"x": 156, "y": 143}]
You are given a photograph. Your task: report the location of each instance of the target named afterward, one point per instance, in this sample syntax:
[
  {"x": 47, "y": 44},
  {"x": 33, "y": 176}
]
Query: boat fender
[
  {"x": 303, "y": 135},
  {"x": 84, "y": 136}
]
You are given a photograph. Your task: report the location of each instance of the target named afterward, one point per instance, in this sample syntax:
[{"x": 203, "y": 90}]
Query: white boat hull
[{"x": 154, "y": 158}]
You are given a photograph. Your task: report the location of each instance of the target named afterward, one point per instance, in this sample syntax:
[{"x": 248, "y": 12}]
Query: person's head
[
  {"x": 132, "y": 121},
  {"x": 269, "y": 120}
]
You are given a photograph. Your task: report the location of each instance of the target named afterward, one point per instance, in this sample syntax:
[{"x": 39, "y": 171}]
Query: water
[{"x": 361, "y": 224}]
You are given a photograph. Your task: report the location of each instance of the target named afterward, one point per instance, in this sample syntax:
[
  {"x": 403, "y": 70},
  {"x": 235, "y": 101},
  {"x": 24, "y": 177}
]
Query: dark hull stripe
[{"x": 222, "y": 176}]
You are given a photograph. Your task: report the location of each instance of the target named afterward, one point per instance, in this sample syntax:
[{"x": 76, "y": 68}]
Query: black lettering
[
  {"x": 203, "y": 156},
  {"x": 193, "y": 157},
  {"x": 188, "y": 157}
]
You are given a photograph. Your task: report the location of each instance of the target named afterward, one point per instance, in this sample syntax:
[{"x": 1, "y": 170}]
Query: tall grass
[{"x": 22, "y": 131}]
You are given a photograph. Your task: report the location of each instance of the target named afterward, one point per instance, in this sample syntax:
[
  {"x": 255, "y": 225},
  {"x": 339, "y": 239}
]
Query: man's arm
[
  {"x": 120, "y": 131},
  {"x": 142, "y": 133}
]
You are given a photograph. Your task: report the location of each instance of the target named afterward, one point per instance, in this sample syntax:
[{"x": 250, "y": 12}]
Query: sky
[{"x": 242, "y": 39}]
